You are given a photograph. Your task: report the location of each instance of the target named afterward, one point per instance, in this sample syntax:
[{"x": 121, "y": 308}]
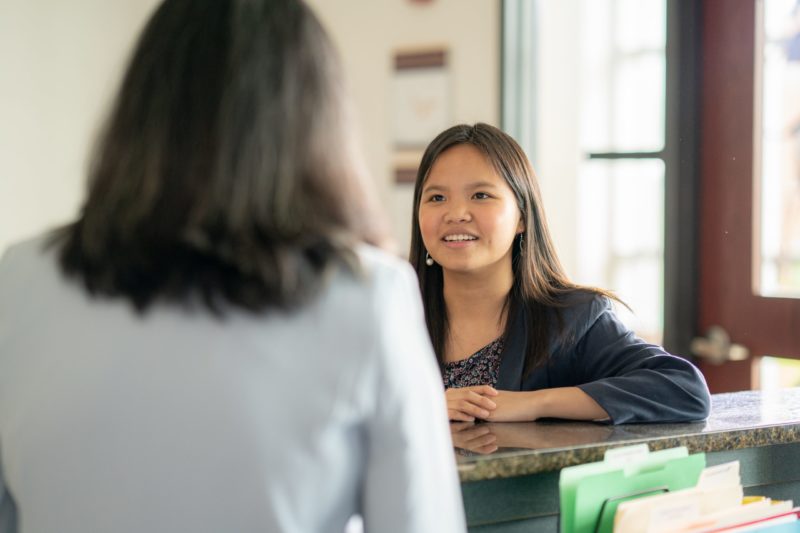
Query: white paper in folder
[{"x": 718, "y": 488}]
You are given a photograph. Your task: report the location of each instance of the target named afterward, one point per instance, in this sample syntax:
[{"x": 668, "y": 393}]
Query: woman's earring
[
  {"x": 428, "y": 259},
  {"x": 521, "y": 240}
]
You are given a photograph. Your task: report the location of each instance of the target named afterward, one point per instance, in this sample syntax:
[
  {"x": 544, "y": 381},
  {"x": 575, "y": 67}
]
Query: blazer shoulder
[
  {"x": 579, "y": 311},
  {"x": 582, "y": 307}
]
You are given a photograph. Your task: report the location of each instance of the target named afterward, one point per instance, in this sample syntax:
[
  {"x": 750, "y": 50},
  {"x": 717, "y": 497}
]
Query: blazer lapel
[{"x": 513, "y": 359}]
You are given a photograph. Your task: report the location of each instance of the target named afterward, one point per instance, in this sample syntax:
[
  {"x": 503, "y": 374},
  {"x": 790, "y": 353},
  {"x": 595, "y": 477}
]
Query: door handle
[{"x": 716, "y": 347}]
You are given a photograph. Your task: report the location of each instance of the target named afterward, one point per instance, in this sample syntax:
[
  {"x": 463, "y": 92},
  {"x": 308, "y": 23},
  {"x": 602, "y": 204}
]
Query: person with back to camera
[
  {"x": 515, "y": 339},
  {"x": 211, "y": 346}
]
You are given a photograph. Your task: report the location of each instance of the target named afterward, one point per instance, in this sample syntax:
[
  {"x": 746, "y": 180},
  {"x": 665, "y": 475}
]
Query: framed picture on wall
[{"x": 421, "y": 105}]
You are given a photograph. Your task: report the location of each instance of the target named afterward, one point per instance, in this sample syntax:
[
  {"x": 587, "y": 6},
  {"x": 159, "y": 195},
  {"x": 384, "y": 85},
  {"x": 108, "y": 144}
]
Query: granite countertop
[{"x": 738, "y": 420}]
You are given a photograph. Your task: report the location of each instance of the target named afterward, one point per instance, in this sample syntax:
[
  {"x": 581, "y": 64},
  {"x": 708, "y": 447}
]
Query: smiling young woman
[
  {"x": 468, "y": 220},
  {"x": 514, "y": 337}
]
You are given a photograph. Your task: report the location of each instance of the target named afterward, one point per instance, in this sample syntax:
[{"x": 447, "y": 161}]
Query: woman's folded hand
[{"x": 468, "y": 403}]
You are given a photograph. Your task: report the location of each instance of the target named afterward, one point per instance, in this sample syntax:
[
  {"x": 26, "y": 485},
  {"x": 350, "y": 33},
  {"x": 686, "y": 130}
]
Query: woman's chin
[{"x": 459, "y": 267}]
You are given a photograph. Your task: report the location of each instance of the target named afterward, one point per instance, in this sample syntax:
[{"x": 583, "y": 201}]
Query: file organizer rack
[{"x": 590, "y": 493}]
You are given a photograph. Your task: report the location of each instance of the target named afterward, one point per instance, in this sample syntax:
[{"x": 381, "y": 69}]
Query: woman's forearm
[
  {"x": 563, "y": 402},
  {"x": 569, "y": 402}
]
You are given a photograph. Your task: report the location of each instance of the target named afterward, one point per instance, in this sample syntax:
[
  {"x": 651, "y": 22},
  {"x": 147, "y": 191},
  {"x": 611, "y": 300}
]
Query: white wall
[{"x": 60, "y": 62}]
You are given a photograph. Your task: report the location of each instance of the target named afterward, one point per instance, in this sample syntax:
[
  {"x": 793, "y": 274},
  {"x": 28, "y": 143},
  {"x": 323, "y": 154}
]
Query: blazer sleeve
[
  {"x": 635, "y": 381},
  {"x": 411, "y": 483}
]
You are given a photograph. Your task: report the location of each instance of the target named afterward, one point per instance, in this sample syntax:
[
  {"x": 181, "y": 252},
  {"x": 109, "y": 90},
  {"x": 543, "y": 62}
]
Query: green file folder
[{"x": 590, "y": 493}]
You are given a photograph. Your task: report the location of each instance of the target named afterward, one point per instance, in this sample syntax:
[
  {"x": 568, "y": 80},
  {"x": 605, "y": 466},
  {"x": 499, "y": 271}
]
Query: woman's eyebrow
[
  {"x": 438, "y": 188},
  {"x": 472, "y": 185},
  {"x": 480, "y": 185}
]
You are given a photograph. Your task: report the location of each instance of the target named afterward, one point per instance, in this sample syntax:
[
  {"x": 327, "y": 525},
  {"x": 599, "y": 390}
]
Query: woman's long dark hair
[
  {"x": 540, "y": 283},
  {"x": 227, "y": 167}
]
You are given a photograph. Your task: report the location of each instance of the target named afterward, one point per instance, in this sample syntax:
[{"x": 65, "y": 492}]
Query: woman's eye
[
  {"x": 436, "y": 198},
  {"x": 481, "y": 196}
]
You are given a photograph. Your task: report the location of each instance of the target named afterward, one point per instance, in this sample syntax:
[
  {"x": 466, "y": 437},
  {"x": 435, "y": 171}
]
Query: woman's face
[{"x": 468, "y": 215}]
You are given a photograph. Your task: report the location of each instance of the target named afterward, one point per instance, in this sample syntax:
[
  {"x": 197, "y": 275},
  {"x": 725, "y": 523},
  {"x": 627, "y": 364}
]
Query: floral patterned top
[{"x": 481, "y": 368}]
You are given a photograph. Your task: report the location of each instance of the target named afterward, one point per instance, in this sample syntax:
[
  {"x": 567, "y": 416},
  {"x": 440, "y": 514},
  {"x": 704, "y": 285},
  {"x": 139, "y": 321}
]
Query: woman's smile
[{"x": 459, "y": 240}]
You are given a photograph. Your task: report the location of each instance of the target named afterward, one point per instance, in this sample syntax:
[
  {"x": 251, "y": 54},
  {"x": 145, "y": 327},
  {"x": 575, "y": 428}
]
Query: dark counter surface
[{"x": 738, "y": 420}]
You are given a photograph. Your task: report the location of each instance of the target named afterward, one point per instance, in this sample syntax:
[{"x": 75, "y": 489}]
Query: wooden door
[{"x": 727, "y": 239}]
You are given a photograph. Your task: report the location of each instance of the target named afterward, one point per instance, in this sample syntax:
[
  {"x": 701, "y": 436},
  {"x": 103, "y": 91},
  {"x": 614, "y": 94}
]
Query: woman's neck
[
  {"x": 476, "y": 308},
  {"x": 471, "y": 298}
]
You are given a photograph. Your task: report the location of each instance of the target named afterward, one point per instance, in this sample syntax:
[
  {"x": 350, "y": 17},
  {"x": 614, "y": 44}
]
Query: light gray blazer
[{"x": 177, "y": 421}]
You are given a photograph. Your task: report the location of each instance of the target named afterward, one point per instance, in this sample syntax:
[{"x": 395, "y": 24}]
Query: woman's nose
[{"x": 458, "y": 213}]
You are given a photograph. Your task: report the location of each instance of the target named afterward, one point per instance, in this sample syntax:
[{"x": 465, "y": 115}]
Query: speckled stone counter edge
[{"x": 525, "y": 462}]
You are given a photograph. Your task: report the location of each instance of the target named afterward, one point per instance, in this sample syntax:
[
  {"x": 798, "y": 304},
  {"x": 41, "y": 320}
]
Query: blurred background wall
[{"x": 61, "y": 62}]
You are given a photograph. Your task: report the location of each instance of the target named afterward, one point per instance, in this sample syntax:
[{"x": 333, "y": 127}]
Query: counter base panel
[{"x": 530, "y": 503}]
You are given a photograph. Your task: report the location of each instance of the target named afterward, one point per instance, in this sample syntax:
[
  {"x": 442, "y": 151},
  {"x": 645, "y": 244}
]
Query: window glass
[
  {"x": 778, "y": 373},
  {"x": 638, "y": 104},
  {"x": 622, "y": 75},
  {"x": 597, "y": 110},
  {"x": 621, "y": 236},
  {"x": 778, "y": 144}
]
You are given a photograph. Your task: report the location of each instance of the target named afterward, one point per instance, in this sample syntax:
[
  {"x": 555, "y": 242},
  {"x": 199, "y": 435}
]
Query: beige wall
[{"x": 61, "y": 61}]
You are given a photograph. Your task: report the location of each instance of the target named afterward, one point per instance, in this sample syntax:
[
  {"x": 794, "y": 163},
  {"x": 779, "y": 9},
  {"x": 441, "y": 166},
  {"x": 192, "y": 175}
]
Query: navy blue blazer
[{"x": 632, "y": 380}]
